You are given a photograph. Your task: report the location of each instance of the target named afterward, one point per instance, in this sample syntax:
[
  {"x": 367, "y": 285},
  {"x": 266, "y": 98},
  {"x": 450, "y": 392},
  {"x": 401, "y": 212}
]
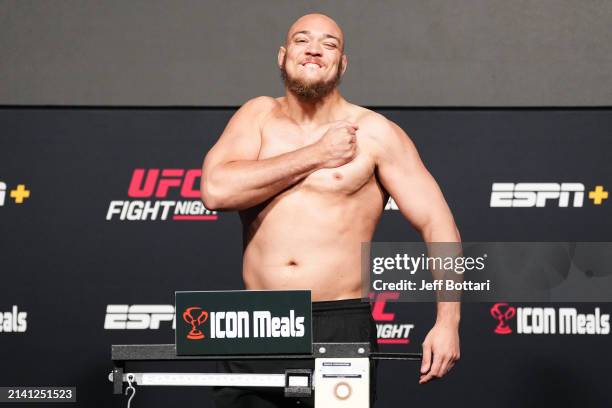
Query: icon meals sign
[{"x": 243, "y": 322}]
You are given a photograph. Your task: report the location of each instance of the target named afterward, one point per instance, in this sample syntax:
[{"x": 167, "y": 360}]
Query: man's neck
[{"x": 317, "y": 112}]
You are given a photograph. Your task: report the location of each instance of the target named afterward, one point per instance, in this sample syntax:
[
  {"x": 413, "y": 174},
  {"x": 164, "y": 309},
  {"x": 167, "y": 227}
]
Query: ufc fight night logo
[
  {"x": 391, "y": 205},
  {"x": 387, "y": 330},
  {"x": 150, "y": 192}
]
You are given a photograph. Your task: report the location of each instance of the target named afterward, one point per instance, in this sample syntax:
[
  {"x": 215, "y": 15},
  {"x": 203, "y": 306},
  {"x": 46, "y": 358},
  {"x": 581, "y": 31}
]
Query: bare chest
[{"x": 280, "y": 137}]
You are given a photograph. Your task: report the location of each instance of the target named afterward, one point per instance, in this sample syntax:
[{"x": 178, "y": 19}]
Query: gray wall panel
[{"x": 404, "y": 53}]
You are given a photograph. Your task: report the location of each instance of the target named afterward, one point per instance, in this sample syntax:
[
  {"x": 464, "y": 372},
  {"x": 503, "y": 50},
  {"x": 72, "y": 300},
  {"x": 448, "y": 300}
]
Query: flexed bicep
[{"x": 234, "y": 178}]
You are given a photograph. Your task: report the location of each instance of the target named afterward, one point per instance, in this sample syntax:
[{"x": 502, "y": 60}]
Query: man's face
[{"x": 312, "y": 61}]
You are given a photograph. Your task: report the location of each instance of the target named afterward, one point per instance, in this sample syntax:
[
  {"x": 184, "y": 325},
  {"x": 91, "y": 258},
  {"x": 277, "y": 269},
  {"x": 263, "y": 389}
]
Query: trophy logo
[
  {"x": 502, "y": 317},
  {"x": 195, "y": 333}
]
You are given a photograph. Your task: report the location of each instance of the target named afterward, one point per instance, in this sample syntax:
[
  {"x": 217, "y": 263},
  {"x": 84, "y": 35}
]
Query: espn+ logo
[
  {"x": 19, "y": 194},
  {"x": 536, "y": 194},
  {"x": 541, "y": 194}
]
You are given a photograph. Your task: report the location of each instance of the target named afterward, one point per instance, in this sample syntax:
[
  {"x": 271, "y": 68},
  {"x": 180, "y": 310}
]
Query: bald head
[
  {"x": 316, "y": 22},
  {"x": 312, "y": 60}
]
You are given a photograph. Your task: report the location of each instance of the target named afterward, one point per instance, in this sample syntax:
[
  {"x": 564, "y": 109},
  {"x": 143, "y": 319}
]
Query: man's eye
[
  {"x": 330, "y": 45},
  {"x": 300, "y": 40}
]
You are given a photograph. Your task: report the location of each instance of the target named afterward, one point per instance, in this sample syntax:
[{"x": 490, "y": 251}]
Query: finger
[
  {"x": 349, "y": 123},
  {"x": 444, "y": 366},
  {"x": 351, "y": 129},
  {"x": 436, "y": 364},
  {"x": 451, "y": 364},
  {"x": 426, "y": 362},
  {"x": 426, "y": 378}
]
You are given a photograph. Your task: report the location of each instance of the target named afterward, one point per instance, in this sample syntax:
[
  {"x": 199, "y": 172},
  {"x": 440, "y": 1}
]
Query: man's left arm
[{"x": 420, "y": 200}]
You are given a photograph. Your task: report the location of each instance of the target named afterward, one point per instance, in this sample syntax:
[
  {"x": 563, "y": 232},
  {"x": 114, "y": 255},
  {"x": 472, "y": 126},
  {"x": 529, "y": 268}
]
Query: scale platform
[{"x": 340, "y": 378}]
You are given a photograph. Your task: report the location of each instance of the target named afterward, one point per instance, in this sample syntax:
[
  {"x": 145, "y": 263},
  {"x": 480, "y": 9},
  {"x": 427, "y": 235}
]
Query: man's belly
[
  {"x": 328, "y": 274},
  {"x": 309, "y": 239},
  {"x": 320, "y": 252}
]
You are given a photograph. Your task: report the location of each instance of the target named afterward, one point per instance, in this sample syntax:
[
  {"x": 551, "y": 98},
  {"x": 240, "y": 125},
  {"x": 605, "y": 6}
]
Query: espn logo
[
  {"x": 536, "y": 194},
  {"x": 138, "y": 317},
  {"x": 2, "y": 193}
]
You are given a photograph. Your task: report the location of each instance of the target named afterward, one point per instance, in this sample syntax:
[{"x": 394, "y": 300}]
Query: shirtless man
[{"x": 310, "y": 174}]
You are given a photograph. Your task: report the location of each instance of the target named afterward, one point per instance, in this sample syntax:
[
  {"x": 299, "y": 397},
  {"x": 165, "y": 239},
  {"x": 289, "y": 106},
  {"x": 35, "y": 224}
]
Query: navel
[{"x": 337, "y": 175}]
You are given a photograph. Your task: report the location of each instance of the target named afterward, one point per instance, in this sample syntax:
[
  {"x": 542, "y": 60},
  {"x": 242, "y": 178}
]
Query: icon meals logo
[
  {"x": 149, "y": 190},
  {"x": 502, "y": 313},
  {"x": 241, "y": 324},
  {"x": 549, "y": 320},
  {"x": 13, "y": 321},
  {"x": 195, "y": 334}
]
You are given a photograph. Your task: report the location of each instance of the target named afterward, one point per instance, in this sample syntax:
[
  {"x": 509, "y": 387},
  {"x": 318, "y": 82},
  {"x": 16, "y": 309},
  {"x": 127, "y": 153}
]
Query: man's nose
[{"x": 314, "y": 49}]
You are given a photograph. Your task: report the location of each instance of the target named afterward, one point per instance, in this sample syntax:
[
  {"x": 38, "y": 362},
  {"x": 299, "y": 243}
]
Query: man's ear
[
  {"x": 282, "y": 51},
  {"x": 344, "y": 63}
]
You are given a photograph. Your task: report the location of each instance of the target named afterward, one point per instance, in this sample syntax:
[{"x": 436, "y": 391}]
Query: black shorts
[{"x": 332, "y": 321}]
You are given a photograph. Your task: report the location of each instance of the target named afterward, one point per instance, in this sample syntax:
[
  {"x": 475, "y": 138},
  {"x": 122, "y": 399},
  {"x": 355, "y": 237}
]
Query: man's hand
[
  {"x": 440, "y": 351},
  {"x": 338, "y": 145}
]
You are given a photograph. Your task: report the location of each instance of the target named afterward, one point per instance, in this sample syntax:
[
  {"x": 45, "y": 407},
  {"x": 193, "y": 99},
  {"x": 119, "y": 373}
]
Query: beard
[{"x": 310, "y": 91}]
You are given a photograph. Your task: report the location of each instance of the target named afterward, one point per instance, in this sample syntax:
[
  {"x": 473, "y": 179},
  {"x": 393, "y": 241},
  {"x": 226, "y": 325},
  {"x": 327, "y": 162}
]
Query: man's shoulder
[
  {"x": 367, "y": 118},
  {"x": 257, "y": 107},
  {"x": 260, "y": 104},
  {"x": 376, "y": 124},
  {"x": 380, "y": 135}
]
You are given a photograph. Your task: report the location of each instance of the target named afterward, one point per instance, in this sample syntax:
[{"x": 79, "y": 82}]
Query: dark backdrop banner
[{"x": 101, "y": 223}]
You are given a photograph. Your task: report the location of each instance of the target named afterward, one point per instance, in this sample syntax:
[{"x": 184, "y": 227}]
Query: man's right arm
[{"x": 234, "y": 179}]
